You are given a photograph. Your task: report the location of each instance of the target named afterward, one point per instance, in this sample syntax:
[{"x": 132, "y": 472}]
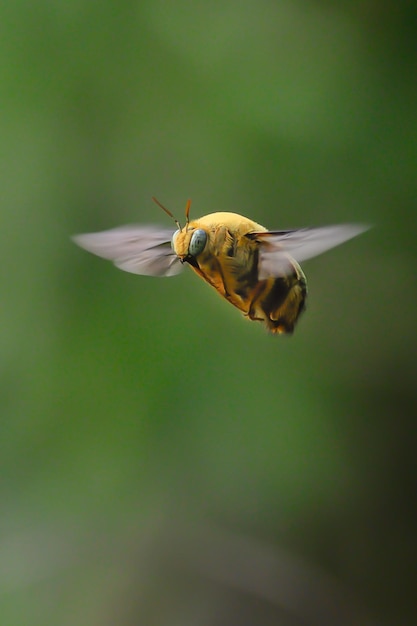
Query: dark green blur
[{"x": 129, "y": 402}]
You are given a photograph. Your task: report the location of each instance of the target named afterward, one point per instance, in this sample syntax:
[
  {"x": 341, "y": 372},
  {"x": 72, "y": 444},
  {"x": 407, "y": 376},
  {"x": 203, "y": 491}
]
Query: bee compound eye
[
  {"x": 174, "y": 236},
  {"x": 197, "y": 242}
]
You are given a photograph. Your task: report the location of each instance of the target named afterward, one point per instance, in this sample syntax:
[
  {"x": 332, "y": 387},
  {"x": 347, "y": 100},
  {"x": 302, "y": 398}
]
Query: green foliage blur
[{"x": 139, "y": 415}]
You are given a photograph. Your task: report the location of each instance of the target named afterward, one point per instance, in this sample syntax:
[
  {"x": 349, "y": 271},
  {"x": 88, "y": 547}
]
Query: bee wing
[
  {"x": 137, "y": 249},
  {"x": 277, "y": 247}
]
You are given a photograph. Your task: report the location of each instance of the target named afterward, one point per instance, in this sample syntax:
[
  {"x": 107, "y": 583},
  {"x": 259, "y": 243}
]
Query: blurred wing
[
  {"x": 137, "y": 249},
  {"x": 277, "y": 247}
]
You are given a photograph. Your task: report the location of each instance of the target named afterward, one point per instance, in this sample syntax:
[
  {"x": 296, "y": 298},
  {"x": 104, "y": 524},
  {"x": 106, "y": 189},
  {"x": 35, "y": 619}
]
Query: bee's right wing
[
  {"x": 278, "y": 248},
  {"x": 137, "y": 249}
]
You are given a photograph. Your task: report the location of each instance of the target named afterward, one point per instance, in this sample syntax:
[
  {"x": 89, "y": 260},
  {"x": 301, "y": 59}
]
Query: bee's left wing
[
  {"x": 277, "y": 247},
  {"x": 136, "y": 249}
]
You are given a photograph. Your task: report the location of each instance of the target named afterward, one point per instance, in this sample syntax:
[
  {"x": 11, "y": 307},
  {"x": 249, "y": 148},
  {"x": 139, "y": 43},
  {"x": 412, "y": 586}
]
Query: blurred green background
[{"x": 163, "y": 461}]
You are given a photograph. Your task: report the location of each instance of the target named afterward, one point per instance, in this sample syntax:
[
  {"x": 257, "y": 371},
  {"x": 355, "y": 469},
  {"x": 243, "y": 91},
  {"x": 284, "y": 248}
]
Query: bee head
[{"x": 187, "y": 243}]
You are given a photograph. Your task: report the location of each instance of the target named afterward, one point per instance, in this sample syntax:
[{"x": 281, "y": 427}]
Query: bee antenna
[
  {"x": 168, "y": 212},
  {"x": 187, "y": 213}
]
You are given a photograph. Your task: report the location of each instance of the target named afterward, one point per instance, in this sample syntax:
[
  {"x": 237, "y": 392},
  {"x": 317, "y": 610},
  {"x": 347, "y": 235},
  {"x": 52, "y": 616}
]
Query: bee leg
[
  {"x": 251, "y": 315},
  {"x": 255, "y": 305}
]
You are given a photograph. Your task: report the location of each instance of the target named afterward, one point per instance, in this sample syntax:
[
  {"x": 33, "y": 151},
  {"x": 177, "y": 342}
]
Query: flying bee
[{"x": 255, "y": 269}]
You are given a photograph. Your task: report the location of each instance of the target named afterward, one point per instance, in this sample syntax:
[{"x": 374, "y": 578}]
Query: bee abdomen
[{"x": 283, "y": 302}]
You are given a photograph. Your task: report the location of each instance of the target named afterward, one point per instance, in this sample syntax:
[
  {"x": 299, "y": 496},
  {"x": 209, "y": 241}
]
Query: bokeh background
[{"x": 163, "y": 461}]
